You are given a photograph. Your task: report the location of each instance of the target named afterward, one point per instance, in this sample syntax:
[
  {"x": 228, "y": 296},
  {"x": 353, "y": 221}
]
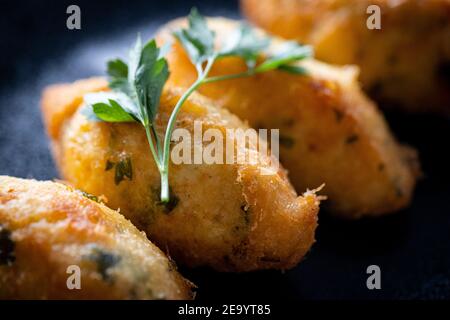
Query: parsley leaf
[
  {"x": 147, "y": 74},
  {"x": 112, "y": 112},
  {"x": 110, "y": 106},
  {"x": 245, "y": 43},
  {"x": 117, "y": 69},
  {"x": 150, "y": 77},
  {"x": 198, "y": 39}
]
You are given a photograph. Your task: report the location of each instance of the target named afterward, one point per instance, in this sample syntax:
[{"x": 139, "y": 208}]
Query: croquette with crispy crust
[
  {"x": 227, "y": 216},
  {"x": 46, "y": 228},
  {"x": 330, "y": 132},
  {"x": 405, "y": 64}
]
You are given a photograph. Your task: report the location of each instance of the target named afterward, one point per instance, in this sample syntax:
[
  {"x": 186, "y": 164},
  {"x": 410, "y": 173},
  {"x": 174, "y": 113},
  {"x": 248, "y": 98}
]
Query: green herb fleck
[
  {"x": 123, "y": 170},
  {"x": 90, "y": 196},
  {"x": 104, "y": 261},
  {"x": 7, "y": 246}
]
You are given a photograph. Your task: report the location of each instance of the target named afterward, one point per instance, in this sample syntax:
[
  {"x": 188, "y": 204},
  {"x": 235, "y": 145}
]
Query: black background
[{"x": 412, "y": 247}]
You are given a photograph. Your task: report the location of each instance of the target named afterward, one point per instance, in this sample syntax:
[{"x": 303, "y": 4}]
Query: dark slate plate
[{"x": 412, "y": 247}]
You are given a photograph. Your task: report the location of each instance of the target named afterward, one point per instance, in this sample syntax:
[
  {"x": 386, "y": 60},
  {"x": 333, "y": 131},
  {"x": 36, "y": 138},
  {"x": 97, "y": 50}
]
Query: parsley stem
[
  {"x": 152, "y": 147},
  {"x": 247, "y": 73},
  {"x": 158, "y": 144},
  {"x": 167, "y": 138},
  {"x": 171, "y": 125}
]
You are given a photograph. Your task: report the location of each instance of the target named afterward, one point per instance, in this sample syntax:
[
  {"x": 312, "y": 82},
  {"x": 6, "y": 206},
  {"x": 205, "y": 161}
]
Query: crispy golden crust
[
  {"x": 45, "y": 227},
  {"x": 230, "y": 217},
  {"x": 404, "y": 63},
  {"x": 329, "y": 131}
]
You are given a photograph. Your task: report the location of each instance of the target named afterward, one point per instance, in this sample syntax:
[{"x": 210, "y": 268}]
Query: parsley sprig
[
  {"x": 137, "y": 86},
  {"x": 136, "y": 91}
]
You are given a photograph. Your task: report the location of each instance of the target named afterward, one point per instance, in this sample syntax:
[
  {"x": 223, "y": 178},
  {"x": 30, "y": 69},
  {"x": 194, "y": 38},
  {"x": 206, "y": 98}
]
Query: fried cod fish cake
[
  {"x": 406, "y": 63},
  {"x": 330, "y": 132},
  {"x": 47, "y": 229},
  {"x": 231, "y": 217}
]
